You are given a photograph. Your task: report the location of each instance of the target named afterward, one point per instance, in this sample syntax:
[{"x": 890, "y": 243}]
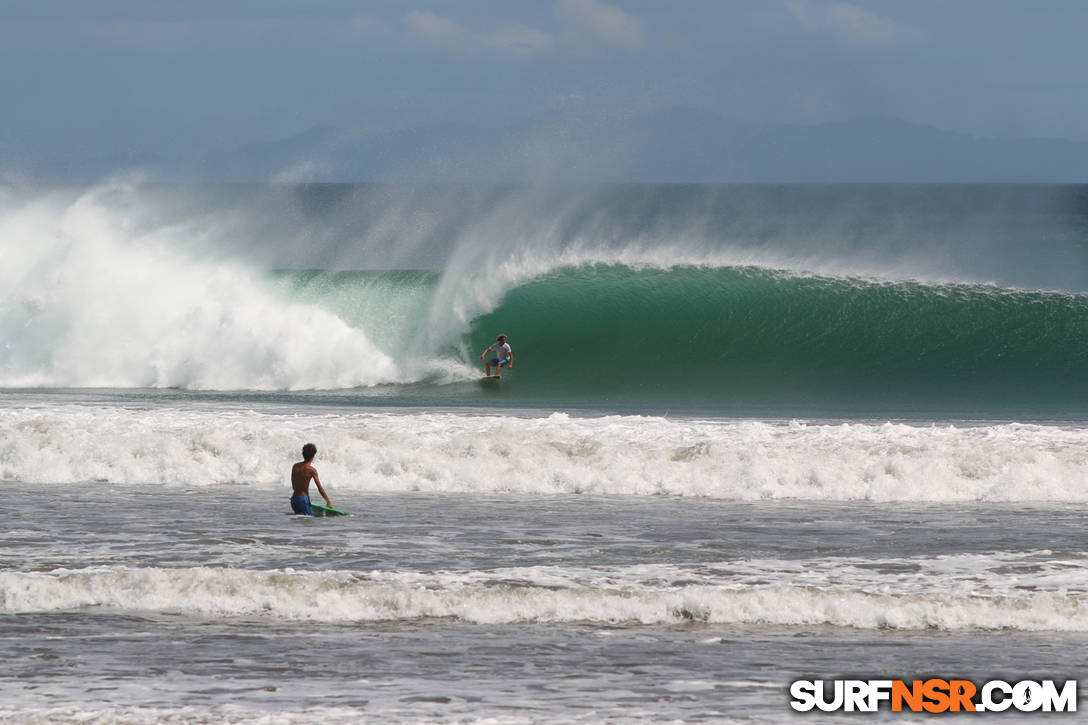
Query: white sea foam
[
  {"x": 92, "y": 299},
  {"x": 441, "y": 452},
  {"x": 837, "y": 593}
]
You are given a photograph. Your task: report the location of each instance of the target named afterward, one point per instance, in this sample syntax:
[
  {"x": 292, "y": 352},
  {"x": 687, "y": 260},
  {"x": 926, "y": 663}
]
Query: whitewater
[
  {"x": 753, "y": 435},
  {"x": 551, "y": 454}
]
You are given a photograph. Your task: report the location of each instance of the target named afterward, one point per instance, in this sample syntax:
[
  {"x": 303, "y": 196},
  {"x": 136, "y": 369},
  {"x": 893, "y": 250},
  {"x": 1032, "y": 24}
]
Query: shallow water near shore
[{"x": 215, "y": 603}]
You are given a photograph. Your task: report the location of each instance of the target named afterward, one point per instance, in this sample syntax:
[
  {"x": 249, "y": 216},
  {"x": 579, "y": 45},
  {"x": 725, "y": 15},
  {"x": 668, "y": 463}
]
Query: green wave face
[
  {"x": 734, "y": 335},
  {"x": 748, "y": 334}
]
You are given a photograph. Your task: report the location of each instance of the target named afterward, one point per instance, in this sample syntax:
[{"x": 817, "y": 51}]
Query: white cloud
[
  {"x": 850, "y": 24},
  {"x": 435, "y": 28},
  {"x": 366, "y": 25},
  {"x": 454, "y": 37},
  {"x": 605, "y": 22}
]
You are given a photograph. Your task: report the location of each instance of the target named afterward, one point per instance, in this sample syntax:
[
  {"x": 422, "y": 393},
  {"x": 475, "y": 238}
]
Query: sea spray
[{"x": 92, "y": 301}]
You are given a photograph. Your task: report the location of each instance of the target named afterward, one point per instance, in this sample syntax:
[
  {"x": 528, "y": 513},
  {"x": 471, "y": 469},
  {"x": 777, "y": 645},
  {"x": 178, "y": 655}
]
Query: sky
[{"x": 117, "y": 77}]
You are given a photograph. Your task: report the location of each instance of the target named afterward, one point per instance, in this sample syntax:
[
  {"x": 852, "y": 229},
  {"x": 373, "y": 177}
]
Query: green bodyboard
[{"x": 320, "y": 510}]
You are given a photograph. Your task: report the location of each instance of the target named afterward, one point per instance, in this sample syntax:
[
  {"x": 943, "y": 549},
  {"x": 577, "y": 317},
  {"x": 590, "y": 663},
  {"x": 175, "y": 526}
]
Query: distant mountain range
[{"x": 679, "y": 145}]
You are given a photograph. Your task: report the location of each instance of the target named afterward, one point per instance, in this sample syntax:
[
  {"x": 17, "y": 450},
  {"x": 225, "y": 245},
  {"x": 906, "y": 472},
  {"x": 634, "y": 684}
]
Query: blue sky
[{"x": 121, "y": 76}]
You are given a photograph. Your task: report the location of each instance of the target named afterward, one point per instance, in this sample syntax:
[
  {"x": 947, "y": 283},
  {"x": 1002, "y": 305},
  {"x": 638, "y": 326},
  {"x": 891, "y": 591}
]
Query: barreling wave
[
  {"x": 744, "y": 333},
  {"x": 750, "y": 332},
  {"x": 542, "y": 595},
  {"x": 95, "y": 299}
]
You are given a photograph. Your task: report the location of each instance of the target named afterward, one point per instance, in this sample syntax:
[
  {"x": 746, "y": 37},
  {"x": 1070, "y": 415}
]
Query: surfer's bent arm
[
  {"x": 510, "y": 360},
  {"x": 320, "y": 489}
]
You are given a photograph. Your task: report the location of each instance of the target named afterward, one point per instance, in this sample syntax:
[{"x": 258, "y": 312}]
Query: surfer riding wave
[{"x": 503, "y": 356}]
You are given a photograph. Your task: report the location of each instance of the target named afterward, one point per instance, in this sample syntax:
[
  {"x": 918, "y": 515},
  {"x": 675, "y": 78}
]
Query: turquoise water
[{"x": 738, "y": 336}]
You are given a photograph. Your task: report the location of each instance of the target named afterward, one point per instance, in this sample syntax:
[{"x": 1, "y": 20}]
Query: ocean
[{"x": 753, "y": 435}]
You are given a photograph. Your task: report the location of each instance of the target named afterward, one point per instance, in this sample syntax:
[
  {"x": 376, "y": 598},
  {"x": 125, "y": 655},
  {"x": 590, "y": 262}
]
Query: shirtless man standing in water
[{"x": 301, "y": 473}]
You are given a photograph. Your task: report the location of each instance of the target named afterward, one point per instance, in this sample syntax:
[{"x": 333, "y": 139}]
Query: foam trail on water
[{"x": 93, "y": 299}]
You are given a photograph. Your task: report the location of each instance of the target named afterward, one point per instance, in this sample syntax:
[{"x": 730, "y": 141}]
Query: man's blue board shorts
[
  {"x": 497, "y": 362},
  {"x": 301, "y": 505}
]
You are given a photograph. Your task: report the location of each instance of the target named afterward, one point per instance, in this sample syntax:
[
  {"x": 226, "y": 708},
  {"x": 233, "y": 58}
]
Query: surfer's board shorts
[
  {"x": 497, "y": 362},
  {"x": 301, "y": 505}
]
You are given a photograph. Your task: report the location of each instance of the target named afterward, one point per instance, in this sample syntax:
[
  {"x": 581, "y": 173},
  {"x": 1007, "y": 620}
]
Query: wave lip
[{"x": 530, "y": 595}]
